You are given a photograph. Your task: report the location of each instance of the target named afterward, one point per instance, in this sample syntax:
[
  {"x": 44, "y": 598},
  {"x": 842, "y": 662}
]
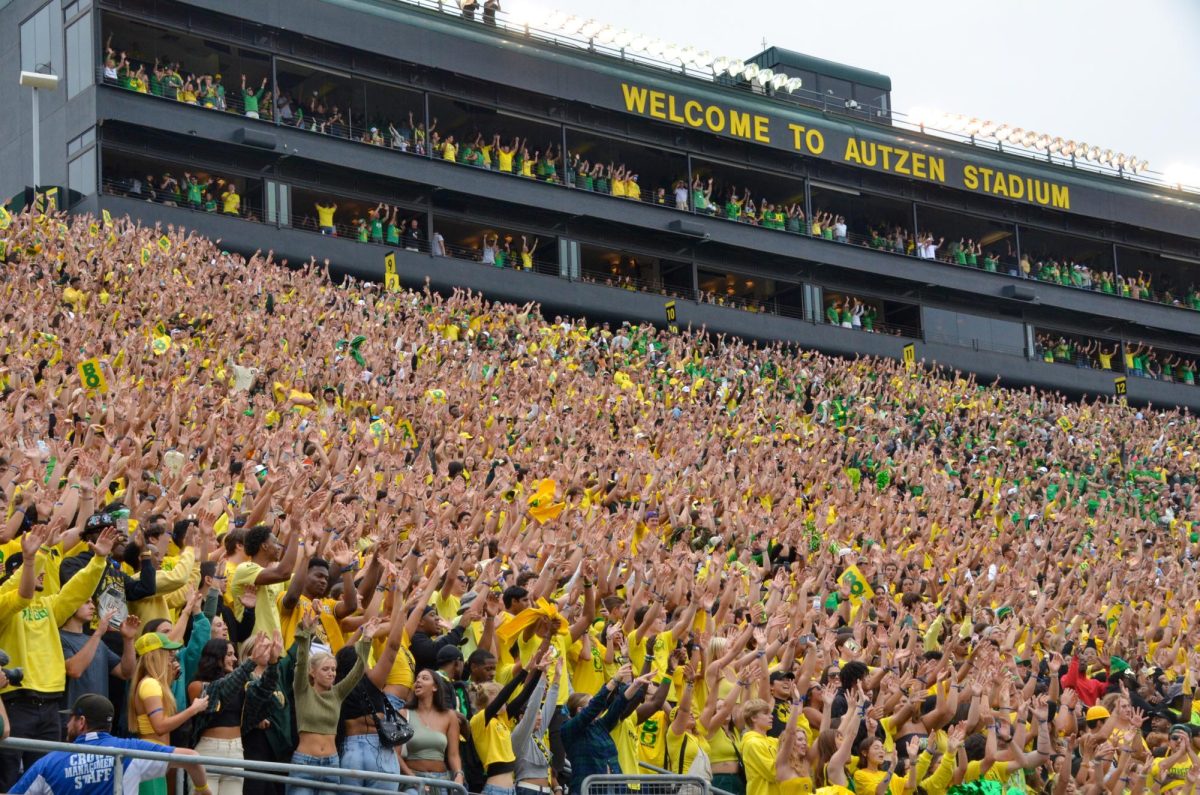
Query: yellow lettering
[
  {"x": 886, "y": 159},
  {"x": 852, "y": 154},
  {"x": 797, "y": 137},
  {"x": 671, "y": 114},
  {"x": 937, "y": 169},
  {"x": 902, "y": 162},
  {"x": 986, "y": 173},
  {"x": 635, "y": 98},
  {"x": 1060, "y": 197},
  {"x": 815, "y": 141},
  {"x": 918, "y": 166},
  {"x": 714, "y": 117},
  {"x": 739, "y": 124},
  {"x": 1043, "y": 192},
  {"x": 762, "y": 130},
  {"x": 1000, "y": 186},
  {"x": 1016, "y": 188},
  {"x": 970, "y": 178},
  {"x": 658, "y": 101},
  {"x": 690, "y": 106}
]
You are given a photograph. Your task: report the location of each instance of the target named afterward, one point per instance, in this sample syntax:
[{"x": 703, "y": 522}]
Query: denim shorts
[
  {"x": 492, "y": 789},
  {"x": 364, "y": 752},
  {"x": 447, "y": 776}
]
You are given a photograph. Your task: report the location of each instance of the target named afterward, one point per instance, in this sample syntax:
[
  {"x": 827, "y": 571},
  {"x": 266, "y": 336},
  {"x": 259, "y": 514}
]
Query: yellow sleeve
[
  {"x": 77, "y": 591},
  {"x": 149, "y": 688},
  {"x": 168, "y": 581},
  {"x": 942, "y": 777},
  {"x": 11, "y": 602},
  {"x": 758, "y": 757}
]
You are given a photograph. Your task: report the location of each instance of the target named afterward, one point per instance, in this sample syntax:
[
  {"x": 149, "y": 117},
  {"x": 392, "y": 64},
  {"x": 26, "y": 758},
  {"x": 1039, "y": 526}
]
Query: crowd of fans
[{"x": 269, "y": 517}]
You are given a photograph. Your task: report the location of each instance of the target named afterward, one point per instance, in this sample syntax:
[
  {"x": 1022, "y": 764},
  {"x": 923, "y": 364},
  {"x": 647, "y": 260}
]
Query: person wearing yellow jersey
[
  {"x": 505, "y": 155},
  {"x": 834, "y": 746},
  {"x": 492, "y": 724},
  {"x": 167, "y": 581},
  {"x": 265, "y": 573},
  {"x": 29, "y": 623},
  {"x": 325, "y": 218},
  {"x": 687, "y": 751},
  {"x": 759, "y": 751},
  {"x": 626, "y": 734},
  {"x": 231, "y": 202},
  {"x": 307, "y": 591},
  {"x": 1171, "y": 772},
  {"x": 632, "y": 189},
  {"x": 448, "y": 149},
  {"x": 723, "y": 739},
  {"x": 871, "y": 779},
  {"x": 527, "y": 252},
  {"x": 793, "y": 772}
]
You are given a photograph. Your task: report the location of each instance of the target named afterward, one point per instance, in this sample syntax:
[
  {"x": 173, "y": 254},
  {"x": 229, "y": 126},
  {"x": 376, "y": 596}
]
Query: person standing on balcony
[
  {"x": 325, "y": 219},
  {"x": 250, "y": 98},
  {"x": 490, "y": 7},
  {"x": 468, "y": 9}
]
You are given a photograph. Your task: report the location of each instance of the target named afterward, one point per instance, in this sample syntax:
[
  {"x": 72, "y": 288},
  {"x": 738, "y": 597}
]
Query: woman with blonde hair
[{"x": 153, "y": 712}]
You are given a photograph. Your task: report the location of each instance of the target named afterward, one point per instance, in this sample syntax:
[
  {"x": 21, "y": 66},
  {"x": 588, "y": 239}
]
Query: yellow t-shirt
[
  {"x": 587, "y": 671},
  {"x": 231, "y": 203},
  {"x": 402, "y": 673},
  {"x": 506, "y": 160},
  {"x": 266, "y": 608},
  {"x": 147, "y": 688},
  {"x": 328, "y": 630},
  {"x": 1174, "y": 778},
  {"x": 758, "y": 757},
  {"x": 651, "y": 738},
  {"x": 618, "y": 187},
  {"x": 449, "y": 151},
  {"x": 800, "y": 785},
  {"x": 676, "y": 746},
  {"x": 325, "y": 215},
  {"x": 625, "y": 737},
  {"x": 493, "y": 739},
  {"x": 447, "y": 609}
]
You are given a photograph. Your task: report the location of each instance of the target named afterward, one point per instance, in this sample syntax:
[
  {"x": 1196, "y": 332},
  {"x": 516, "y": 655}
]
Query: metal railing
[
  {"x": 1006, "y": 266},
  {"x": 664, "y": 772},
  {"x": 665, "y": 784},
  {"x": 888, "y": 117},
  {"x": 278, "y": 772}
]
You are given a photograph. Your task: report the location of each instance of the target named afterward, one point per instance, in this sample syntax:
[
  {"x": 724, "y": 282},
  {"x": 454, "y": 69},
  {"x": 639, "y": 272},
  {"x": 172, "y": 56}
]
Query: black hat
[
  {"x": 775, "y": 677},
  {"x": 95, "y": 709},
  {"x": 448, "y": 654}
]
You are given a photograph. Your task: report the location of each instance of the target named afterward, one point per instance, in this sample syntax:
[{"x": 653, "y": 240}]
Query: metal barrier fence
[
  {"x": 664, "y": 772},
  {"x": 278, "y": 772},
  {"x": 620, "y": 784}
]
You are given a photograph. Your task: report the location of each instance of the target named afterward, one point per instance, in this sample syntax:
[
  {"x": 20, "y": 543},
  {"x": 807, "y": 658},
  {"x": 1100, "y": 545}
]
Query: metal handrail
[
  {"x": 896, "y": 119},
  {"x": 245, "y": 768}
]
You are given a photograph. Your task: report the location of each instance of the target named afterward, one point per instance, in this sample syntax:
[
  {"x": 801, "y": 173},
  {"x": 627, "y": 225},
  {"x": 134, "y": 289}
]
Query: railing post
[{"x": 118, "y": 775}]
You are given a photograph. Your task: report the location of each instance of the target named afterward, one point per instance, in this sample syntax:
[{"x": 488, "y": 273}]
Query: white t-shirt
[
  {"x": 681, "y": 195},
  {"x": 839, "y": 229}
]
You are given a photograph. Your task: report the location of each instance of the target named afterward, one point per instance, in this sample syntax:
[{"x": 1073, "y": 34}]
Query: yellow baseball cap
[{"x": 153, "y": 641}]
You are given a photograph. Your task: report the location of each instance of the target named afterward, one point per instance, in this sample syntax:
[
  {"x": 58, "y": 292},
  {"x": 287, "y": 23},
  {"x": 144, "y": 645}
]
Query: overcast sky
[{"x": 1118, "y": 74}]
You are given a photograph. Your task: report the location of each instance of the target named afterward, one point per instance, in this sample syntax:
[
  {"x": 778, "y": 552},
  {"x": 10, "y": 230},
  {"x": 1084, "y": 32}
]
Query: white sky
[{"x": 1121, "y": 75}]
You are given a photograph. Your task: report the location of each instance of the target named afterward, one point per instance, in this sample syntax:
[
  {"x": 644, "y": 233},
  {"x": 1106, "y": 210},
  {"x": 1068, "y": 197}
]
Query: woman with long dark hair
[
  {"x": 433, "y": 750},
  {"x": 224, "y": 681}
]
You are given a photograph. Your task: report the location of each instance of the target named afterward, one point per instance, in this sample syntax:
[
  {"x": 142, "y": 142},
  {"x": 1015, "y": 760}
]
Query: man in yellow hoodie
[{"x": 29, "y": 623}]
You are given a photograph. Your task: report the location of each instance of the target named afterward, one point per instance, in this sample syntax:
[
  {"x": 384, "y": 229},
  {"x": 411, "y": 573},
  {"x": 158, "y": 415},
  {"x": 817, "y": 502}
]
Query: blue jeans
[
  {"x": 316, "y": 777},
  {"x": 447, "y": 776},
  {"x": 363, "y": 752},
  {"x": 492, "y": 789}
]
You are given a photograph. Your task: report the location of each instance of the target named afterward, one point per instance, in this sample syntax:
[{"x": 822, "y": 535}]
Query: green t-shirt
[
  {"x": 960, "y": 257},
  {"x": 393, "y": 235},
  {"x": 251, "y": 99},
  {"x": 194, "y": 194},
  {"x": 832, "y": 315},
  {"x": 376, "y": 229},
  {"x": 363, "y": 231}
]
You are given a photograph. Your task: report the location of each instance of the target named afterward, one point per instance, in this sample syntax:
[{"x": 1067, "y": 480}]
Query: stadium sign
[{"x": 844, "y": 144}]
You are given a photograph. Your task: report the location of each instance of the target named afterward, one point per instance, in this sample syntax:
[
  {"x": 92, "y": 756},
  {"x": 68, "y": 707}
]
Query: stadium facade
[{"x": 829, "y": 148}]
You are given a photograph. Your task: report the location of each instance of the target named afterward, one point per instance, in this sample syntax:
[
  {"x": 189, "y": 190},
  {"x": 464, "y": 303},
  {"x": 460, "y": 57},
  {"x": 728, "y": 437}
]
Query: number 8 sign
[{"x": 92, "y": 376}]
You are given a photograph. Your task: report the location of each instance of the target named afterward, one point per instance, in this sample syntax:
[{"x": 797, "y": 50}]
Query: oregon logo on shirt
[{"x": 649, "y": 735}]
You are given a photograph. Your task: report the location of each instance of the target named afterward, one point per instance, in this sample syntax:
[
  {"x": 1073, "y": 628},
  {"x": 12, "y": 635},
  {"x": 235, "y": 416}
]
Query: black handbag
[{"x": 393, "y": 729}]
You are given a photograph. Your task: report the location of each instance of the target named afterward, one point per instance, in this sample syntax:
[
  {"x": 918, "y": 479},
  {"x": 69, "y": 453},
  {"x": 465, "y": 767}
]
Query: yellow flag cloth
[{"x": 528, "y": 617}]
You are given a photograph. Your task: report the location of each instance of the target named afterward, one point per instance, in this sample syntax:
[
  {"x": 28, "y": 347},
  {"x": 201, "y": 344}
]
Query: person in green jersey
[
  {"x": 210, "y": 202},
  {"x": 392, "y": 234},
  {"x": 958, "y": 252},
  {"x": 362, "y": 229},
  {"x": 990, "y": 263},
  {"x": 252, "y": 98},
  {"x": 375, "y": 222},
  {"x": 972, "y": 254},
  {"x": 833, "y": 313},
  {"x": 195, "y": 189}
]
